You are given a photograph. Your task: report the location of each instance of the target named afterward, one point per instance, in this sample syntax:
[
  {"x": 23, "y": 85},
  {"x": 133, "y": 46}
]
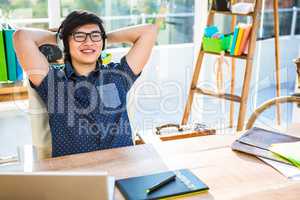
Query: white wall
[{"x": 160, "y": 94}]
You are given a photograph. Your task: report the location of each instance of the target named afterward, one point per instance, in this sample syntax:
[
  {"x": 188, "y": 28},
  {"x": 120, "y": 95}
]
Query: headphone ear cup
[{"x": 60, "y": 35}]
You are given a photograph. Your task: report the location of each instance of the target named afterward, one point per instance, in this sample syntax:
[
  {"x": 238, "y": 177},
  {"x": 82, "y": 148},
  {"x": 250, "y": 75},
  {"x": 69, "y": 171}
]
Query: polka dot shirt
[{"x": 87, "y": 113}]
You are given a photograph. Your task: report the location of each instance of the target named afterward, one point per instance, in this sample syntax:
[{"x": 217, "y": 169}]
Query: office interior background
[{"x": 160, "y": 94}]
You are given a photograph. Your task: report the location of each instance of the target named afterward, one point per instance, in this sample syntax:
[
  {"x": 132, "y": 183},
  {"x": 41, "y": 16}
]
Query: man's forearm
[
  {"x": 26, "y": 43},
  {"x": 38, "y": 36},
  {"x": 129, "y": 35},
  {"x": 142, "y": 37}
]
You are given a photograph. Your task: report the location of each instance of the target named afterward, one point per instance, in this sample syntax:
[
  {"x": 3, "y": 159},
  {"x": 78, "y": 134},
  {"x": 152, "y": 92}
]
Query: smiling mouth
[{"x": 87, "y": 51}]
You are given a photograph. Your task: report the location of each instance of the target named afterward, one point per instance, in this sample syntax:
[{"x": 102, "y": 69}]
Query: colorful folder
[
  {"x": 239, "y": 39},
  {"x": 10, "y": 54},
  {"x": 3, "y": 65},
  {"x": 19, "y": 70},
  {"x": 245, "y": 39},
  {"x": 235, "y": 36}
]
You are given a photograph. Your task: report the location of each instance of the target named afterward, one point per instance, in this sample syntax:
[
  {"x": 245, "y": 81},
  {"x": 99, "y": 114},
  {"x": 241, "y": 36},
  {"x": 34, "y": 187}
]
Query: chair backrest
[
  {"x": 268, "y": 104},
  {"x": 41, "y": 136},
  {"x": 294, "y": 98}
]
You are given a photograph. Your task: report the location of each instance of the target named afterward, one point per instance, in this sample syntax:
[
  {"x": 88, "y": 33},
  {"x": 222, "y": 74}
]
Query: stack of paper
[{"x": 289, "y": 171}]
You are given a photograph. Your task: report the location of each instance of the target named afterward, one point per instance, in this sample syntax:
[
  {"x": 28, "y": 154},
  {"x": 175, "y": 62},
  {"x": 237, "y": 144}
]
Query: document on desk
[
  {"x": 257, "y": 141},
  {"x": 263, "y": 139},
  {"x": 289, "y": 171}
]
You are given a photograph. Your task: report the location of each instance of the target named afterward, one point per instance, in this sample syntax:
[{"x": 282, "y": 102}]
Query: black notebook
[
  {"x": 185, "y": 183},
  {"x": 257, "y": 141}
]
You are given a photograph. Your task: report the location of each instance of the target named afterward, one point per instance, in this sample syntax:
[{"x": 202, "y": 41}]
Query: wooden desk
[
  {"x": 13, "y": 91},
  {"x": 230, "y": 175}
]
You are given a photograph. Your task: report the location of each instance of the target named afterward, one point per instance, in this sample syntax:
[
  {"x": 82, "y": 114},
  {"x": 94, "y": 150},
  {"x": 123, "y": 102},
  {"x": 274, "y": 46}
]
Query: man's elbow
[
  {"x": 18, "y": 36},
  {"x": 153, "y": 29}
]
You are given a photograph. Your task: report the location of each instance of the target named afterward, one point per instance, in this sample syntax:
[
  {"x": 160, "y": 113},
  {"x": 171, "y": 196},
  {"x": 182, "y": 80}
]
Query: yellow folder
[{"x": 239, "y": 39}]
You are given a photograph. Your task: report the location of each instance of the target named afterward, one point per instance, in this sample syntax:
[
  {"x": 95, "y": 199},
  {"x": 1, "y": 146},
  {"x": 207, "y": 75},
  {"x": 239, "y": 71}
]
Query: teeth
[{"x": 87, "y": 51}]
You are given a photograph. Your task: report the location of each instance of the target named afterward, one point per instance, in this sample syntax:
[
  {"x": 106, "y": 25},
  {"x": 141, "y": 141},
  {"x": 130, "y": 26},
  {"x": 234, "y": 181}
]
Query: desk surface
[{"x": 230, "y": 175}]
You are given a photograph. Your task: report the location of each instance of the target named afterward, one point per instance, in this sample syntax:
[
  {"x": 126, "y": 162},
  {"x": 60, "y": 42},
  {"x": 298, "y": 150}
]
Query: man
[{"x": 85, "y": 100}]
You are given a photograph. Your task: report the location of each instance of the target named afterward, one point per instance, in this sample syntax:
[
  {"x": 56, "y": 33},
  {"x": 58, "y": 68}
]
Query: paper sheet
[{"x": 289, "y": 171}]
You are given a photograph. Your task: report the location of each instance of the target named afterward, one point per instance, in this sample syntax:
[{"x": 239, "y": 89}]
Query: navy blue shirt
[{"x": 87, "y": 113}]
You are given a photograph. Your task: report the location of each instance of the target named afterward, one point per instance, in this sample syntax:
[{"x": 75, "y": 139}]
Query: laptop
[{"x": 56, "y": 185}]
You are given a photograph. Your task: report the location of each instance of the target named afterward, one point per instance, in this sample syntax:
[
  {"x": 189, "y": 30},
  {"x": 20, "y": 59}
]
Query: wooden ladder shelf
[{"x": 242, "y": 100}]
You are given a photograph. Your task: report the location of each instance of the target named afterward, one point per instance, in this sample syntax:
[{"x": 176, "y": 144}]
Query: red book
[{"x": 245, "y": 39}]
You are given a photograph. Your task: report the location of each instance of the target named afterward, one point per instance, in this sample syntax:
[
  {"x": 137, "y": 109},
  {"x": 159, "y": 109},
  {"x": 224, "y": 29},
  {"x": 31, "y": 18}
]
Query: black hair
[{"x": 74, "y": 20}]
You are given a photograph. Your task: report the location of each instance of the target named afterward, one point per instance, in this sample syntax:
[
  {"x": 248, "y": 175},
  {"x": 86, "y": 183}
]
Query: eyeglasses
[{"x": 95, "y": 36}]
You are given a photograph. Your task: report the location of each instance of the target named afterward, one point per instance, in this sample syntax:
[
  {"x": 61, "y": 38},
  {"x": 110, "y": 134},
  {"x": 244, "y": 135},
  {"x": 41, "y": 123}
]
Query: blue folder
[
  {"x": 235, "y": 35},
  {"x": 19, "y": 70}
]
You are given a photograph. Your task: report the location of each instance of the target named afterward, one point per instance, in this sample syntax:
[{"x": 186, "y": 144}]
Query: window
[
  {"x": 115, "y": 14},
  {"x": 30, "y": 13},
  {"x": 297, "y": 10},
  {"x": 122, "y": 13},
  {"x": 288, "y": 13}
]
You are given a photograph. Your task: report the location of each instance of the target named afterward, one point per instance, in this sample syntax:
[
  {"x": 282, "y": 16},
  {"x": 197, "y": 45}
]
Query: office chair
[{"x": 39, "y": 119}]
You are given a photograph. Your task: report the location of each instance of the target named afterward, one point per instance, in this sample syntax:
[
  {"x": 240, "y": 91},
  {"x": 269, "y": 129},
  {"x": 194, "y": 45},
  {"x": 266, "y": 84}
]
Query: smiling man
[{"x": 85, "y": 100}]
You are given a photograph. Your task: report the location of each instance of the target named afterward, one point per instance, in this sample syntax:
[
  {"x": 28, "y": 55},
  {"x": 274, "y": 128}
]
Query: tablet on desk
[{"x": 56, "y": 185}]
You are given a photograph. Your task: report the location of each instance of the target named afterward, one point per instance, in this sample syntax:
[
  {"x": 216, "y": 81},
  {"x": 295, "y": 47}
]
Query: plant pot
[{"x": 217, "y": 45}]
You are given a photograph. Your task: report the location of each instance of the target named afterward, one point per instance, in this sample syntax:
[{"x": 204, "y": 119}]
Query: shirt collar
[{"x": 71, "y": 72}]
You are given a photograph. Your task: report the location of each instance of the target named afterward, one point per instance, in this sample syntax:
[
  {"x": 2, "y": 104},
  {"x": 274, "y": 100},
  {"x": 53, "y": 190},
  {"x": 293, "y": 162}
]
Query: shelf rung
[
  {"x": 229, "y": 97},
  {"x": 227, "y": 55},
  {"x": 230, "y": 13}
]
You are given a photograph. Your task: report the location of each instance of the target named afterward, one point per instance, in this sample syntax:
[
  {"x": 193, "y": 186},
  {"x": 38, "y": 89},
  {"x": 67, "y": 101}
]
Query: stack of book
[
  {"x": 279, "y": 150},
  {"x": 240, "y": 39},
  {"x": 10, "y": 69}
]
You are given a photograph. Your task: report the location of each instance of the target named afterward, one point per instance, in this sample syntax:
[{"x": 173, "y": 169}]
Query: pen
[{"x": 161, "y": 184}]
